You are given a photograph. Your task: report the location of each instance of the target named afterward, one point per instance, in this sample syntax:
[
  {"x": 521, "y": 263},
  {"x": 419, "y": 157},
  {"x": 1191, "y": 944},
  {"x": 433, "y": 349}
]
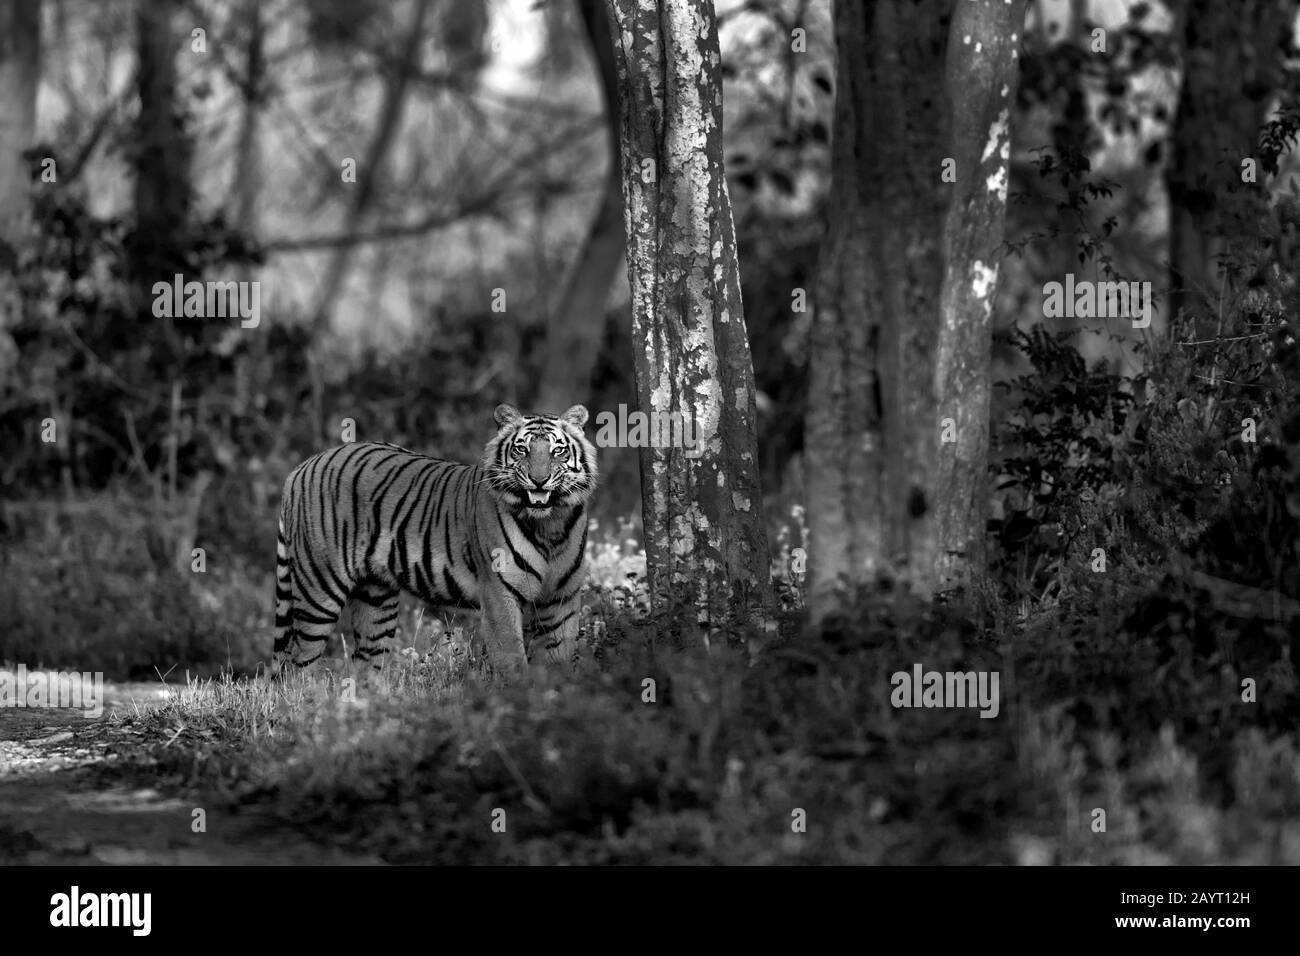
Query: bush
[{"x": 84, "y": 590}]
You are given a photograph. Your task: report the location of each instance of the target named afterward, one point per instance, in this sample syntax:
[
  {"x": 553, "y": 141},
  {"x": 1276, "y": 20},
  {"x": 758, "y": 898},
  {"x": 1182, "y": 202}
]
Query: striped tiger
[{"x": 364, "y": 521}]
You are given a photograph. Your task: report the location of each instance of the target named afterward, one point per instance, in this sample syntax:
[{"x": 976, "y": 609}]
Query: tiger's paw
[{"x": 512, "y": 669}]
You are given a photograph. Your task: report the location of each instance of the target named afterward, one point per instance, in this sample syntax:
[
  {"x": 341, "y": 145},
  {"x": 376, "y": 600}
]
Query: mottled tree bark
[
  {"x": 982, "y": 74},
  {"x": 1232, "y": 68},
  {"x": 20, "y": 56},
  {"x": 868, "y": 440},
  {"x": 578, "y": 322},
  {"x": 902, "y": 327},
  {"x": 705, "y": 539}
]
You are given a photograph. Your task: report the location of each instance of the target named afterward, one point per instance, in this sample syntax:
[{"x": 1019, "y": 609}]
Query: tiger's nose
[{"x": 539, "y": 463}]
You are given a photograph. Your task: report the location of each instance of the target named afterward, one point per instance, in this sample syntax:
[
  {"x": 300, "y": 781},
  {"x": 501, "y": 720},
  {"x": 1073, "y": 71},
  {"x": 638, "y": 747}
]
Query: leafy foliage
[{"x": 1057, "y": 454}]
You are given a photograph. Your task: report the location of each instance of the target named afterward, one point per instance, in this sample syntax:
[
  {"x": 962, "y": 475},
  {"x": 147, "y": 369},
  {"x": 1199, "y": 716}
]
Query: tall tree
[
  {"x": 901, "y": 330},
  {"x": 706, "y": 543},
  {"x": 246, "y": 191},
  {"x": 1233, "y": 58},
  {"x": 162, "y": 154},
  {"x": 578, "y": 321},
  {"x": 982, "y": 73},
  {"x": 870, "y": 402},
  {"x": 248, "y": 167},
  {"x": 20, "y": 54}
]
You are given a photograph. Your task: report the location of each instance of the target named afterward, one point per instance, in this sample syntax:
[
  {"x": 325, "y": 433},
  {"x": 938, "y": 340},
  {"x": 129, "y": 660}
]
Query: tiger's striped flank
[{"x": 362, "y": 522}]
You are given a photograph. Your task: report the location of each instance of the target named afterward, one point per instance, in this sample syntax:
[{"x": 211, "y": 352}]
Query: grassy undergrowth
[
  {"x": 720, "y": 758},
  {"x": 1143, "y": 616}
]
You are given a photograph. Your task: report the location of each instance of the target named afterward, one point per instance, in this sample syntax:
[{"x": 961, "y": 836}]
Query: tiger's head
[{"x": 540, "y": 463}]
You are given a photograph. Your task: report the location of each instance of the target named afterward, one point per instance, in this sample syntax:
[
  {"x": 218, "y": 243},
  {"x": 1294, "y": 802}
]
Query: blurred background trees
[
  {"x": 428, "y": 193},
  {"x": 20, "y": 71}
]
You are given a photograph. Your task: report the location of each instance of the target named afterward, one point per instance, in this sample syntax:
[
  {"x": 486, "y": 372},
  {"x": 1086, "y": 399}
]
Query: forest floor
[
  {"x": 651, "y": 754},
  {"x": 62, "y": 803}
]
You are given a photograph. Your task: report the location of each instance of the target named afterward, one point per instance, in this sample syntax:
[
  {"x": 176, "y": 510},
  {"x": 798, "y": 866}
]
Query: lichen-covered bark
[
  {"x": 20, "y": 45},
  {"x": 876, "y": 305},
  {"x": 704, "y": 532},
  {"x": 982, "y": 72}
]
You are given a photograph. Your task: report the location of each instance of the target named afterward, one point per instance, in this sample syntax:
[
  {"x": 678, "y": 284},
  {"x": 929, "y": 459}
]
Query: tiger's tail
[{"x": 283, "y": 599}]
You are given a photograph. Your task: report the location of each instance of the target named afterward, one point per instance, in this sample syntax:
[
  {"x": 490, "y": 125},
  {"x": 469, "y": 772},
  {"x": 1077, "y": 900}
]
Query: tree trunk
[
  {"x": 247, "y": 193},
  {"x": 163, "y": 151},
  {"x": 577, "y": 325},
  {"x": 248, "y": 167},
  {"x": 20, "y": 56},
  {"x": 1232, "y": 67},
  {"x": 868, "y": 443},
  {"x": 982, "y": 74},
  {"x": 706, "y": 542}
]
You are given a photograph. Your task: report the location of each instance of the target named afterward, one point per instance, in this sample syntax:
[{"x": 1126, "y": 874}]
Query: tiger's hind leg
[
  {"x": 374, "y": 607},
  {"x": 304, "y": 619},
  {"x": 283, "y": 606}
]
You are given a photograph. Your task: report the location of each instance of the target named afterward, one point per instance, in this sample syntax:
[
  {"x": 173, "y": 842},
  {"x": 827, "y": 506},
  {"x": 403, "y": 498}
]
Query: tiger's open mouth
[{"x": 540, "y": 499}]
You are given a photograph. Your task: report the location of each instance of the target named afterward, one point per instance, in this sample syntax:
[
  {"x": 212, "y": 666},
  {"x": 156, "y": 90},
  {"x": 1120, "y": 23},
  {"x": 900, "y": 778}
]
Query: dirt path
[{"x": 55, "y": 808}]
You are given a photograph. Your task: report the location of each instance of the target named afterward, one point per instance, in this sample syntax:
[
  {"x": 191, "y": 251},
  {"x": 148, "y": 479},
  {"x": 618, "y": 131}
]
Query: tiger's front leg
[
  {"x": 503, "y": 626},
  {"x": 555, "y": 628}
]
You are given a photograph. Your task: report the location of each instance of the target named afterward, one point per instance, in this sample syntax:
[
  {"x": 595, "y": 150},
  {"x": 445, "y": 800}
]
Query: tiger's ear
[
  {"x": 506, "y": 415},
  {"x": 576, "y": 416}
]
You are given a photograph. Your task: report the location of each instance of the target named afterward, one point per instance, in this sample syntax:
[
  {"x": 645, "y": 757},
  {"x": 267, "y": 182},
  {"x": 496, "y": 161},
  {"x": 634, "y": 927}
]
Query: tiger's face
[{"x": 540, "y": 463}]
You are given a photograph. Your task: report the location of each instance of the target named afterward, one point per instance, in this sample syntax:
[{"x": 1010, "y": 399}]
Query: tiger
[{"x": 362, "y": 522}]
